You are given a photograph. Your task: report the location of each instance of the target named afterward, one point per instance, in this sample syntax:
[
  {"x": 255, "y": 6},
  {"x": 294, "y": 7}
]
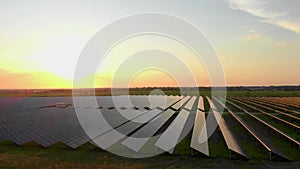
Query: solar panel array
[{"x": 38, "y": 119}]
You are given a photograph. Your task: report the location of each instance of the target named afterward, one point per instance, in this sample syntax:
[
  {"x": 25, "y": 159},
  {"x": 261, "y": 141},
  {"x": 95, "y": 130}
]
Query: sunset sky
[{"x": 258, "y": 41}]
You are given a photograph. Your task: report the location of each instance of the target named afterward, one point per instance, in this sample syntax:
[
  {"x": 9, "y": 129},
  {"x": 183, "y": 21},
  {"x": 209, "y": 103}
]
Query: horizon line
[{"x": 152, "y": 87}]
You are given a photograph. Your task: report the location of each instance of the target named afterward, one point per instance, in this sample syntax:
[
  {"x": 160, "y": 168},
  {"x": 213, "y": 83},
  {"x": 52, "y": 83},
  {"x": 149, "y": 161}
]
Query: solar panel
[
  {"x": 105, "y": 101},
  {"x": 169, "y": 139},
  {"x": 190, "y": 103},
  {"x": 201, "y": 104},
  {"x": 108, "y": 139},
  {"x": 139, "y": 138},
  {"x": 170, "y": 101},
  {"x": 262, "y": 140},
  {"x": 77, "y": 141},
  {"x": 180, "y": 103},
  {"x": 289, "y": 116},
  {"x": 142, "y": 101},
  {"x": 229, "y": 138},
  {"x": 22, "y": 120},
  {"x": 290, "y": 139},
  {"x": 199, "y": 139},
  {"x": 130, "y": 113}
]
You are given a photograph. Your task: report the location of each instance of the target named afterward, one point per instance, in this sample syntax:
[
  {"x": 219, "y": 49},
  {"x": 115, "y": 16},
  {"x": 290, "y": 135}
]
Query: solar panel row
[
  {"x": 230, "y": 139},
  {"x": 273, "y": 152},
  {"x": 132, "y": 121}
]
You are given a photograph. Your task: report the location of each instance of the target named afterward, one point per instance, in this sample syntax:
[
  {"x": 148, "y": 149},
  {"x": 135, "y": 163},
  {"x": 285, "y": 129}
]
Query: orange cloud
[
  {"x": 292, "y": 26},
  {"x": 253, "y": 37}
]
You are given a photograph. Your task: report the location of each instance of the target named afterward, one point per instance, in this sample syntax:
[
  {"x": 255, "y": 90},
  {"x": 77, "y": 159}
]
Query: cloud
[
  {"x": 253, "y": 36},
  {"x": 272, "y": 12},
  {"x": 293, "y": 26},
  {"x": 266, "y": 40},
  {"x": 253, "y": 7}
]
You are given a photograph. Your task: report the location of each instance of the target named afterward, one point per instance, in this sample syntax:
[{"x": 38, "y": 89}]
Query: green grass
[
  {"x": 88, "y": 156},
  {"x": 183, "y": 147}
]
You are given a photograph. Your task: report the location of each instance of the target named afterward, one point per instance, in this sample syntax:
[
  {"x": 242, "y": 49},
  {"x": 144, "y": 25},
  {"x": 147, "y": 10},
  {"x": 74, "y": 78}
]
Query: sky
[{"x": 257, "y": 41}]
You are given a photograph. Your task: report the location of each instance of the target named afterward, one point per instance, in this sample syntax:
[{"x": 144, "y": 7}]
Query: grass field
[{"x": 88, "y": 156}]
